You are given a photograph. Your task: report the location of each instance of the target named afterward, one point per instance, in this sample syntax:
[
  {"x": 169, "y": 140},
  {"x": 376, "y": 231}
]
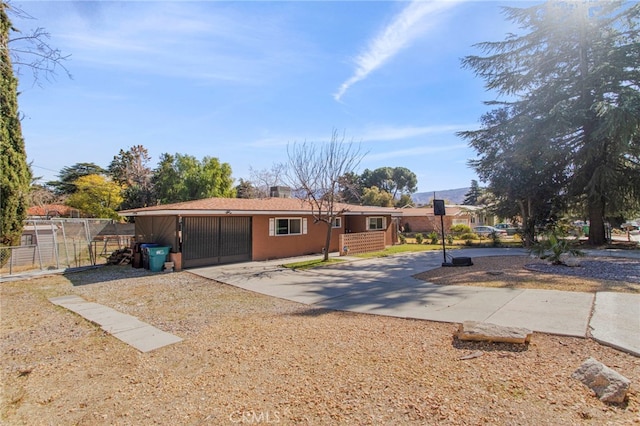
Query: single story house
[
  {"x": 423, "y": 220},
  {"x": 224, "y": 230}
]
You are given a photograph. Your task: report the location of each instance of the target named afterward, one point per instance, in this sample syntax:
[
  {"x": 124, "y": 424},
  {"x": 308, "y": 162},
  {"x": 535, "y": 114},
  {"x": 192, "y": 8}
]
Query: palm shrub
[
  {"x": 419, "y": 238},
  {"x": 552, "y": 247},
  {"x": 433, "y": 236}
]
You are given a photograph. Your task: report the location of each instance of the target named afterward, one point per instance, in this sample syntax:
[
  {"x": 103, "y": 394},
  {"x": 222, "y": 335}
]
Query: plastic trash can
[
  {"x": 144, "y": 248},
  {"x": 157, "y": 257}
]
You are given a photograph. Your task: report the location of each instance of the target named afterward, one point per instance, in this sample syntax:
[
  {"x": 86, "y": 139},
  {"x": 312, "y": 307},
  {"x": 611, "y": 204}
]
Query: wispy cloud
[
  {"x": 393, "y": 133},
  {"x": 412, "y": 22},
  {"x": 195, "y": 41},
  {"x": 416, "y": 151},
  {"x": 371, "y": 134}
]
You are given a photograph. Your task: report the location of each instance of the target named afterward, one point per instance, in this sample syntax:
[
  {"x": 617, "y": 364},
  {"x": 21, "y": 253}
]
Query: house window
[
  {"x": 287, "y": 226},
  {"x": 26, "y": 239},
  {"x": 337, "y": 222},
  {"x": 376, "y": 223}
]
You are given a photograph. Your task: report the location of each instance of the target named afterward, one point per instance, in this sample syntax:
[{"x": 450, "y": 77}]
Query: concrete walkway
[
  {"x": 128, "y": 329},
  {"x": 385, "y": 286}
]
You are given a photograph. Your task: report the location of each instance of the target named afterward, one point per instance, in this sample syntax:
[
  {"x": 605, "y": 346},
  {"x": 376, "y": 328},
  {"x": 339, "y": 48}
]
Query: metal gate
[{"x": 208, "y": 240}]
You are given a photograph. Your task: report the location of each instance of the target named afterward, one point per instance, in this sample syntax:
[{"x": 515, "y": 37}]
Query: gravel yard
[{"x": 252, "y": 359}]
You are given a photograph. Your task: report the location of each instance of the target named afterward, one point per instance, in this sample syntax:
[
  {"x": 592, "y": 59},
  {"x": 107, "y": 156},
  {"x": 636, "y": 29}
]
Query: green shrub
[
  {"x": 433, "y": 237},
  {"x": 419, "y": 238},
  {"x": 449, "y": 239},
  {"x": 468, "y": 236},
  {"x": 460, "y": 229},
  {"x": 402, "y": 238}
]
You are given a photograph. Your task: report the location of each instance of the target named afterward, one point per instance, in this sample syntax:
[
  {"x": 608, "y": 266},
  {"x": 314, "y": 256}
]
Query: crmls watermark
[{"x": 255, "y": 417}]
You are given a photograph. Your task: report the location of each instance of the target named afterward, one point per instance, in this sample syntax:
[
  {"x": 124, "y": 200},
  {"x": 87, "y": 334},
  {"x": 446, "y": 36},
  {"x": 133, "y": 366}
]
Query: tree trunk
[
  {"x": 596, "y": 221},
  {"x": 327, "y": 242},
  {"x": 528, "y": 226}
]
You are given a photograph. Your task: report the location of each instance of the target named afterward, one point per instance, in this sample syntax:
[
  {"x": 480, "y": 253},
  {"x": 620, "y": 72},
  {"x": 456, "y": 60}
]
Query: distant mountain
[{"x": 451, "y": 196}]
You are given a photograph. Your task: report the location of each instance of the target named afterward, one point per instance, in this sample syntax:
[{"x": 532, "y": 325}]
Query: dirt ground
[{"x": 252, "y": 359}]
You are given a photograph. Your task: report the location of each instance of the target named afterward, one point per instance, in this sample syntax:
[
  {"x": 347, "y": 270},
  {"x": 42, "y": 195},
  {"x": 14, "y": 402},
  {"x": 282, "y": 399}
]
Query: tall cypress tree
[{"x": 15, "y": 175}]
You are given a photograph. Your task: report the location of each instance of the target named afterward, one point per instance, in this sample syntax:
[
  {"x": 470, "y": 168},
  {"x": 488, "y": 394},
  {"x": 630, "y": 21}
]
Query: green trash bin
[{"x": 157, "y": 257}]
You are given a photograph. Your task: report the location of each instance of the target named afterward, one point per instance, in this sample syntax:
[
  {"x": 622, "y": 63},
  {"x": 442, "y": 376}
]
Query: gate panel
[
  {"x": 235, "y": 239},
  {"x": 214, "y": 240}
]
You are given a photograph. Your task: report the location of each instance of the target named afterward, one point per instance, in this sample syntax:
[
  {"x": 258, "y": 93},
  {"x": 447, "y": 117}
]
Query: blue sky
[{"x": 241, "y": 80}]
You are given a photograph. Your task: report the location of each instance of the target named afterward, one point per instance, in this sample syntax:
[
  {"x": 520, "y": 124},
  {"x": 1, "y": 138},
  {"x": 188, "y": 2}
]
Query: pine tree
[
  {"x": 471, "y": 197},
  {"x": 14, "y": 170}
]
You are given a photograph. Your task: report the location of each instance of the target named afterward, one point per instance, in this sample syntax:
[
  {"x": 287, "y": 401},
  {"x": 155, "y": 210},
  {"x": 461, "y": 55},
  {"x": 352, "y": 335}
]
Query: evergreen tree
[
  {"x": 70, "y": 174},
  {"x": 15, "y": 172},
  {"x": 471, "y": 197},
  {"x": 572, "y": 89},
  {"x": 245, "y": 189},
  {"x": 130, "y": 169}
]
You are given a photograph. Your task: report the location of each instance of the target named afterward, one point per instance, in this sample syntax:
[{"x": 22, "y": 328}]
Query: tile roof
[
  {"x": 249, "y": 205},
  {"x": 50, "y": 209}
]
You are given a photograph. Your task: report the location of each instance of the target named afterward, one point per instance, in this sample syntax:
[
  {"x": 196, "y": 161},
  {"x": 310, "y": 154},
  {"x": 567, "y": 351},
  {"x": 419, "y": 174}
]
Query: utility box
[{"x": 157, "y": 257}]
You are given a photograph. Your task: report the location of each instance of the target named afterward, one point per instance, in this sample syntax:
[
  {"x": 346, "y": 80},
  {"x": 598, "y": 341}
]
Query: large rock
[
  {"x": 484, "y": 331},
  {"x": 608, "y": 384}
]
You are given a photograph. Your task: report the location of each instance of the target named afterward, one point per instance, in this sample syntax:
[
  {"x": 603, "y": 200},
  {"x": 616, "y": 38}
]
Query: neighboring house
[
  {"x": 224, "y": 230},
  {"x": 423, "y": 220},
  {"x": 48, "y": 211}
]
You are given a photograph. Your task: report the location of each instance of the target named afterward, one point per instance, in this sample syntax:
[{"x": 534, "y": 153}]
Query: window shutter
[
  {"x": 384, "y": 222},
  {"x": 368, "y": 224},
  {"x": 272, "y": 227},
  {"x": 304, "y": 225}
]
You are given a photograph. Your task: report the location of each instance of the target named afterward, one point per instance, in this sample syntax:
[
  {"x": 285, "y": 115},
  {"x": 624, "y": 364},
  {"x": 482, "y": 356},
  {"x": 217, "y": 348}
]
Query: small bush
[
  {"x": 419, "y": 238},
  {"x": 449, "y": 239},
  {"x": 402, "y": 238},
  {"x": 460, "y": 229},
  {"x": 467, "y": 236},
  {"x": 433, "y": 237}
]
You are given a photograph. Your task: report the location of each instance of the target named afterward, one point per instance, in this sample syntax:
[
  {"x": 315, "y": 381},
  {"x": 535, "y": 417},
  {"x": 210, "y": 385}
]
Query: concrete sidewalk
[
  {"x": 125, "y": 327},
  {"x": 385, "y": 286}
]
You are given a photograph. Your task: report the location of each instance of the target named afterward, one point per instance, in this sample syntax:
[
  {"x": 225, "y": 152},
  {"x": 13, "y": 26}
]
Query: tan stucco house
[{"x": 224, "y": 230}]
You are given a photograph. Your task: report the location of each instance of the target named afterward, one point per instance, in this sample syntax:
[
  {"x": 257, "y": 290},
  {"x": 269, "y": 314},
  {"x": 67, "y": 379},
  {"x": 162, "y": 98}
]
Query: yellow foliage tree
[{"x": 96, "y": 196}]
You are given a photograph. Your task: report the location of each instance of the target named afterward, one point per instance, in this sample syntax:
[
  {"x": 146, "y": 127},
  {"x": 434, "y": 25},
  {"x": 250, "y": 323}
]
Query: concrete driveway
[{"x": 385, "y": 286}]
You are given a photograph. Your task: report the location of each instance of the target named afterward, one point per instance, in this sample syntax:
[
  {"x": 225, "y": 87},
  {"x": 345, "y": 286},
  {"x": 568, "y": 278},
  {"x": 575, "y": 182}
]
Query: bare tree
[
  {"x": 316, "y": 170},
  {"x": 31, "y": 49},
  {"x": 264, "y": 179}
]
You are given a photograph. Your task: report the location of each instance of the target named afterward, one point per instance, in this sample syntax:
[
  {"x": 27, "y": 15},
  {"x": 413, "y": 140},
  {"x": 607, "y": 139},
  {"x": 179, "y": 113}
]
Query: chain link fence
[{"x": 60, "y": 243}]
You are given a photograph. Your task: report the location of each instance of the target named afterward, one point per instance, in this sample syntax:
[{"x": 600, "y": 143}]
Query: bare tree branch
[
  {"x": 32, "y": 50},
  {"x": 316, "y": 170}
]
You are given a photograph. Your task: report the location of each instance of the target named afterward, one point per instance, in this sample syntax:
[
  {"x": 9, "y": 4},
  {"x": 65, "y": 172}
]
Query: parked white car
[{"x": 485, "y": 231}]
